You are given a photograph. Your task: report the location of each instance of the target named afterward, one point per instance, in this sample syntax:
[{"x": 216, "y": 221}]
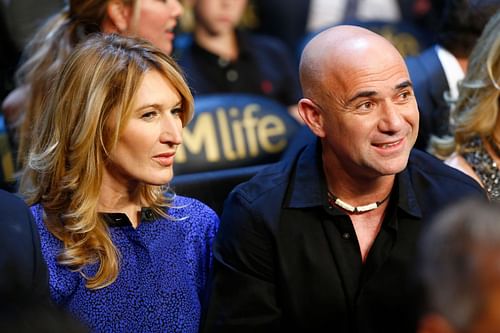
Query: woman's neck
[{"x": 119, "y": 197}]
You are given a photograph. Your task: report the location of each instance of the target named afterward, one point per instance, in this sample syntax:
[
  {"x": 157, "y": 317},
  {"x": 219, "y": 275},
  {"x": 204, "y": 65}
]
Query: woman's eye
[
  {"x": 149, "y": 115},
  {"x": 177, "y": 112}
]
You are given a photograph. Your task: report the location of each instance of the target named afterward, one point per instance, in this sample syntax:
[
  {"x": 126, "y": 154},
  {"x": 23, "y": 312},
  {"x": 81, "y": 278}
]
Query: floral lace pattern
[{"x": 484, "y": 166}]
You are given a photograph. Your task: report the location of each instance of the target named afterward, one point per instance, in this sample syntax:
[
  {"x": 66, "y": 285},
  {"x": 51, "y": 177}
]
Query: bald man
[{"x": 326, "y": 241}]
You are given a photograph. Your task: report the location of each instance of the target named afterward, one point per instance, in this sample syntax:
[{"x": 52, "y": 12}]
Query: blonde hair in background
[
  {"x": 74, "y": 136},
  {"x": 46, "y": 52},
  {"x": 477, "y": 107},
  {"x": 187, "y": 21}
]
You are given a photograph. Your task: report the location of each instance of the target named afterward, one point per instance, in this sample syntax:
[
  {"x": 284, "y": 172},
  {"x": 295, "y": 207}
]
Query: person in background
[
  {"x": 474, "y": 147},
  {"x": 437, "y": 71},
  {"x": 460, "y": 270},
  {"x": 23, "y": 17},
  {"x": 151, "y": 19},
  {"x": 124, "y": 253},
  {"x": 326, "y": 241},
  {"x": 224, "y": 58},
  {"x": 23, "y": 272},
  {"x": 293, "y": 20}
]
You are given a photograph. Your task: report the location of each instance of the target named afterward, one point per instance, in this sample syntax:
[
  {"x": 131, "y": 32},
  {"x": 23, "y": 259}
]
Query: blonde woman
[
  {"x": 475, "y": 146},
  {"x": 153, "y": 20},
  {"x": 124, "y": 254}
]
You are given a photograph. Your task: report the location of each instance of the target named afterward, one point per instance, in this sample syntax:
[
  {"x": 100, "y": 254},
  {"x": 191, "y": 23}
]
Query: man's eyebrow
[
  {"x": 370, "y": 93},
  {"x": 367, "y": 93},
  {"x": 404, "y": 84}
]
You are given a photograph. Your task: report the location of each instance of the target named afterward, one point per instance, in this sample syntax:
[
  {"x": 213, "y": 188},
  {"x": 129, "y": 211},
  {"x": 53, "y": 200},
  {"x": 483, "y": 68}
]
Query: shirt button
[
  {"x": 346, "y": 235},
  {"x": 232, "y": 75}
]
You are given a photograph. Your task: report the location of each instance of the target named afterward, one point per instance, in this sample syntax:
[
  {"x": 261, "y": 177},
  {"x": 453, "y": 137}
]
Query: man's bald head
[{"x": 332, "y": 51}]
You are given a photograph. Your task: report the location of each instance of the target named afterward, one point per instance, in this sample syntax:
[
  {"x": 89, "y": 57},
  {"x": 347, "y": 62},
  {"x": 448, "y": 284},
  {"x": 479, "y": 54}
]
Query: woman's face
[
  {"x": 156, "y": 22},
  {"x": 146, "y": 148}
]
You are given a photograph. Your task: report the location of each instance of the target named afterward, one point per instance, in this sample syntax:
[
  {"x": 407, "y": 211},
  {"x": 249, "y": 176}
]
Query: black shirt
[
  {"x": 287, "y": 261},
  {"x": 264, "y": 67}
]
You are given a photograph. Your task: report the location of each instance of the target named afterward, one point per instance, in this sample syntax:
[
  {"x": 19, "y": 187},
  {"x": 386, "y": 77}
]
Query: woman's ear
[
  {"x": 117, "y": 18},
  {"x": 312, "y": 116}
]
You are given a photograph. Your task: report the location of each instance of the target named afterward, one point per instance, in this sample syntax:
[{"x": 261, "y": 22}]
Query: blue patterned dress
[{"x": 163, "y": 273}]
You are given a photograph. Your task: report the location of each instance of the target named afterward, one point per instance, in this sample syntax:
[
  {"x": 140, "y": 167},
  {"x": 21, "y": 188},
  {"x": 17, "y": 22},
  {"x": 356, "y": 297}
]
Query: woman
[
  {"x": 475, "y": 147},
  {"x": 153, "y": 20},
  {"x": 123, "y": 254}
]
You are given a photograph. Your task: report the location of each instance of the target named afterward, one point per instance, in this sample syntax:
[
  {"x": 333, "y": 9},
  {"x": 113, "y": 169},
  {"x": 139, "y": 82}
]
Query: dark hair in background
[
  {"x": 450, "y": 265},
  {"x": 462, "y": 23}
]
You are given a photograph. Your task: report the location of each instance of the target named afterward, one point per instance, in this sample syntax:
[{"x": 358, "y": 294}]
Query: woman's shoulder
[
  {"x": 193, "y": 211},
  {"x": 62, "y": 280},
  {"x": 458, "y": 162}
]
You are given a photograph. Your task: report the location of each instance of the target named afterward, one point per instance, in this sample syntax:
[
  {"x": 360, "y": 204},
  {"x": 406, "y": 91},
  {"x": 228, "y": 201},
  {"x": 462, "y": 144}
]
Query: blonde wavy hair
[
  {"x": 47, "y": 51},
  {"x": 477, "y": 108},
  {"x": 64, "y": 172}
]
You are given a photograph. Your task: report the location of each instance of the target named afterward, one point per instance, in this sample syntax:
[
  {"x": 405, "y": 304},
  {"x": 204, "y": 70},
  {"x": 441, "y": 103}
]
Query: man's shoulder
[
  {"x": 13, "y": 209},
  {"x": 426, "y": 170},
  {"x": 266, "y": 184}
]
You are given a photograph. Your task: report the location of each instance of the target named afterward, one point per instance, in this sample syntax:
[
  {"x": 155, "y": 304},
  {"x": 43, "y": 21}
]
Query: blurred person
[
  {"x": 292, "y": 20},
  {"x": 474, "y": 147},
  {"x": 326, "y": 240},
  {"x": 23, "y": 17},
  {"x": 460, "y": 270},
  {"x": 23, "y": 271},
  {"x": 437, "y": 71},
  {"x": 223, "y": 57},
  {"x": 153, "y": 20},
  {"x": 124, "y": 253}
]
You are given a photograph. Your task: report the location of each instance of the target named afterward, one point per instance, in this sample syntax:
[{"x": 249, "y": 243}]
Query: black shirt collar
[
  {"x": 244, "y": 49},
  {"x": 308, "y": 187},
  {"x": 122, "y": 220}
]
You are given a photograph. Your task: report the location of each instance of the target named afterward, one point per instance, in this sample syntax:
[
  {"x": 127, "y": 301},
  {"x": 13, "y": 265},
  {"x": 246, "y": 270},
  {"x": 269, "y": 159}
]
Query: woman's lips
[{"x": 166, "y": 159}]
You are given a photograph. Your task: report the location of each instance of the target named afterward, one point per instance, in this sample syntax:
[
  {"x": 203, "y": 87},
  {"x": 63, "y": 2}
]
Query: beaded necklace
[{"x": 333, "y": 200}]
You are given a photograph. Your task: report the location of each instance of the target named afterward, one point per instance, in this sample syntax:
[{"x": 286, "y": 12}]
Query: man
[
  {"x": 326, "y": 242},
  {"x": 436, "y": 72},
  {"x": 25, "y": 304},
  {"x": 460, "y": 270},
  {"x": 23, "y": 272}
]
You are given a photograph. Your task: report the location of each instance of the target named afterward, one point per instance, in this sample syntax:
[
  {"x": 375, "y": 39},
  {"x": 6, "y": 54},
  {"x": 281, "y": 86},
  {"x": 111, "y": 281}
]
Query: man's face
[{"x": 371, "y": 121}]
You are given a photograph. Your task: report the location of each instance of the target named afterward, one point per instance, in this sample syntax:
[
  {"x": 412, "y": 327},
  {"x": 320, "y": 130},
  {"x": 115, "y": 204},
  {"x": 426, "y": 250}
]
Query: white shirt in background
[{"x": 323, "y": 13}]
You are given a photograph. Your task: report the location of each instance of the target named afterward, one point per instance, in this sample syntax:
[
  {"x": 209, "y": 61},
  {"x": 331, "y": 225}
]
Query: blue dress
[{"x": 164, "y": 267}]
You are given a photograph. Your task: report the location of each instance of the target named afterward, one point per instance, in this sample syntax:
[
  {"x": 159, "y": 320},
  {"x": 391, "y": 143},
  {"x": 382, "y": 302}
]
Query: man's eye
[
  {"x": 365, "y": 106},
  {"x": 404, "y": 96}
]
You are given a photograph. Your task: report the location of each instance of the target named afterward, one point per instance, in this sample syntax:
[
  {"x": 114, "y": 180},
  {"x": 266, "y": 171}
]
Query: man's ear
[
  {"x": 118, "y": 17},
  {"x": 434, "y": 323},
  {"x": 312, "y": 116}
]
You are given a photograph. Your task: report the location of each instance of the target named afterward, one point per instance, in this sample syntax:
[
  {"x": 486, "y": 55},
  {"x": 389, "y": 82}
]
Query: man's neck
[{"x": 357, "y": 190}]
